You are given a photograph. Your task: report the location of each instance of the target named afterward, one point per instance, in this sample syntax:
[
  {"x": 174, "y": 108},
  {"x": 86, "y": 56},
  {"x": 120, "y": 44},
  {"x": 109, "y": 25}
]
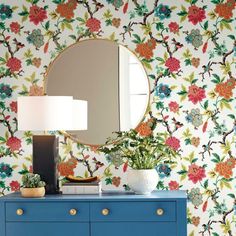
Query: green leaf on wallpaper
[
  {"x": 232, "y": 116},
  {"x": 159, "y": 105},
  {"x": 193, "y": 2},
  {"x": 47, "y": 25},
  {"x": 225, "y": 104},
  {"x": 205, "y": 26},
  {"x": 58, "y": 1},
  {"x": 225, "y": 184},
  {"x": 215, "y": 234},
  {"x": 160, "y": 26},
  {"x": 205, "y": 184},
  {"x": 2, "y": 140},
  {"x": 216, "y": 79},
  {"x": 152, "y": 77},
  {"x": 217, "y": 158},
  {"x": 224, "y": 24},
  {"x": 231, "y": 195},
  {"x": 108, "y": 181},
  {"x": 216, "y": 1},
  {"x": 231, "y": 37},
  {"x": 206, "y": 104},
  {"x": 138, "y": 39},
  {"x": 2, "y": 26},
  {"x": 192, "y": 233}
]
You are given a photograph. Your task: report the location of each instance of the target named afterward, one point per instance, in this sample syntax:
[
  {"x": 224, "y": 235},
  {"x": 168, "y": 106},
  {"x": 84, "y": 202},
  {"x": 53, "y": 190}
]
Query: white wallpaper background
[{"x": 188, "y": 49}]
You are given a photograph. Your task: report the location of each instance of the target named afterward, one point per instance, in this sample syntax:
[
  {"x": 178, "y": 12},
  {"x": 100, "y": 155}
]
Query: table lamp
[{"x": 49, "y": 113}]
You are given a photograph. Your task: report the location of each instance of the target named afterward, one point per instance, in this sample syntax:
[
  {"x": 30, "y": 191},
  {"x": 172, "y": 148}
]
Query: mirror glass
[{"x": 110, "y": 78}]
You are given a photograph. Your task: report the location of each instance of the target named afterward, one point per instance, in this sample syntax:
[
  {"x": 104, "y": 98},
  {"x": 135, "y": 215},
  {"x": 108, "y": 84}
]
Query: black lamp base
[{"x": 45, "y": 159}]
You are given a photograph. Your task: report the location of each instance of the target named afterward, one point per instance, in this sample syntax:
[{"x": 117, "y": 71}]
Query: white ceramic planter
[{"x": 142, "y": 181}]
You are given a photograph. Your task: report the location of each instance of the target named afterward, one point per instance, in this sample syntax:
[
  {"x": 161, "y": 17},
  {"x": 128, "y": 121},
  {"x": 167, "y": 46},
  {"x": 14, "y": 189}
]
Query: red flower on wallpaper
[
  {"x": 66, "y": 10},
  {"x": 173, "y": 185},
  {"x": 13, "y": 106},
  {"x": 196, "y": 14},
  {"x": 196, "y": 173},
  {"x": 173, "y": 143},
  {"x": 196, "y": 94},
  {"x": 15, "y": 27},
  {"x": 14, "y": 144},
  {"x": 15, "y": 186},
  {"x": 93, "y": 24},
  {"x": 173, "y": 106},
  {"x": 37, "y": 14},
  {"x": 174, "y": 27},
  {"x": 14, "y": 64},
  {"x": 173, "y": 64}
]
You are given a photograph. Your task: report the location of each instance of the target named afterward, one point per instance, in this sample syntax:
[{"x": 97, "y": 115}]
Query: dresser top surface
[{"x": 108, "y": 195}]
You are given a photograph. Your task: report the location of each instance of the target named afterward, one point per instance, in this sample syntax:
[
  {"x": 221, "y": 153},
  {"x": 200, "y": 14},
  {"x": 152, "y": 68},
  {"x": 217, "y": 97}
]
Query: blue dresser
[{"x": 116, "y": 214}]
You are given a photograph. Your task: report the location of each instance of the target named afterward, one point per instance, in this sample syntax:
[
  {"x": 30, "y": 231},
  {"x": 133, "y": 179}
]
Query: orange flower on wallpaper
[
  {"x": 225, "y": 169},
  {"x": 225, "y": 10},
  {"x": 36, "y": 90},
  {"x": 67, "y": 9},
  {"x": 116, "y": 181},
  {"x": 144, "y": 129},
  {"x": 146, "y": 49},
  {"x": 225, "y": 89},
  {"x": 67, "y": 168}
]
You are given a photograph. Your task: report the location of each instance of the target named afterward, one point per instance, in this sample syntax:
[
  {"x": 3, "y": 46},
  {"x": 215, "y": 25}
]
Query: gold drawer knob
[
  {"x": 73, "y": 212},
  {"x": 105, "y": 212},
  {"x": 19, "y": 212},
  {"x": 160, "y": 212}
]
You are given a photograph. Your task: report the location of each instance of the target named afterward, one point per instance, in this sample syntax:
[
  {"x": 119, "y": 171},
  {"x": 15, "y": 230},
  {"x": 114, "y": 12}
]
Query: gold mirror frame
[{"x": 68, "y": 135}]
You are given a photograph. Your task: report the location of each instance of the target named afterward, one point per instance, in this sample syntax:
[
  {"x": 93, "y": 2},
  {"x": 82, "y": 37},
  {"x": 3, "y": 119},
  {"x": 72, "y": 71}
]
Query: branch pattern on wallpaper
[{"x": 188, "y": 49}]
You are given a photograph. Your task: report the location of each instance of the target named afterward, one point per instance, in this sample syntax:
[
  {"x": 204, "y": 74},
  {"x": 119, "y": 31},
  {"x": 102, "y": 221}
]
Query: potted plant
[
  {"x": 32, "y": 186},
  {"x": 142, "y": 151}
]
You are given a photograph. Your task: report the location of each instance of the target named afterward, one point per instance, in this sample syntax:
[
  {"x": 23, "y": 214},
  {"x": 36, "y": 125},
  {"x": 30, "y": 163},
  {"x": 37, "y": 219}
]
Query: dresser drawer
[
  {"x": 47, "y": 211},
  {"x": 47, "y": 229},
  {"x": 134, "y": 229},
  {"x": 133, "y": 211}
]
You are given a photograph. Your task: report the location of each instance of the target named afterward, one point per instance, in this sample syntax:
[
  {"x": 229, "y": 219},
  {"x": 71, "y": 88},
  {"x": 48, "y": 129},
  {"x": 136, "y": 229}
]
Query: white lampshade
[
  {"x": 80, "y": 118},
  {"x": 39, "y": 113}
]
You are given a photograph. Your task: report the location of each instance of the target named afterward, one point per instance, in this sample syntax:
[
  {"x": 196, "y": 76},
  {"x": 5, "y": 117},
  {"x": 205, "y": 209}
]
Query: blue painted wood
[
  {"x": 133, "y": 211},
  {"x": 2, "y": 218},
  {"x": 181, "y": 219},
  {"x": 133, "y": 229},
  {"x": 130, "y": 215},
  {"x": 109, "y": 196},
  {"x": 45, "y": 211},
  {"x": 47, "y": 229}
]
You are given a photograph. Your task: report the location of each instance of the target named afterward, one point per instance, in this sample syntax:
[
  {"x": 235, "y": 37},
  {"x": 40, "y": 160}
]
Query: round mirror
[{"x": 110, "y": 78}]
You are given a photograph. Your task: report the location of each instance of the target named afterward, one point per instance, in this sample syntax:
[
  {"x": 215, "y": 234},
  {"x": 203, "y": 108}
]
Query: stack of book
[{"x": 94, "y": 187}]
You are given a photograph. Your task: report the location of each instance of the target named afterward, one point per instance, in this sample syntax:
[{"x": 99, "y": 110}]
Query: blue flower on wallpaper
[
  {"x": 5, "y": 91},
  {"x": 5, "y": 12},
  {"x": 162, "y": 11},
  {"x": 163, "y": 91},
  {"x": 163, "y": 170},
  {"x": 5, "y": 170},
  {"x": 116, "y": 3},
  {"x": 36, "y": 38},
  {"x": 195, "y": 38},
  {"x": 194, "y": 117}
]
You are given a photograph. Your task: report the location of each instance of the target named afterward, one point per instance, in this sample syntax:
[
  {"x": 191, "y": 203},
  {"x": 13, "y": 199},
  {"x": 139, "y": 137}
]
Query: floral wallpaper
[{"x": 188, "y": 49}]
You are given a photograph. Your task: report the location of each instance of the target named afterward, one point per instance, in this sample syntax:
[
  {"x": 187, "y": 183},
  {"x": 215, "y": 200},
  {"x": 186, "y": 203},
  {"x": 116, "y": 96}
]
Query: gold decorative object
[
  {"x": 73, "y": 212},
  {"x": 33, "y": 192},
  {"x": 105, "y": 212},
  {"x": 19, "y": 212},
  {"x": 160, "y": 212}
]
